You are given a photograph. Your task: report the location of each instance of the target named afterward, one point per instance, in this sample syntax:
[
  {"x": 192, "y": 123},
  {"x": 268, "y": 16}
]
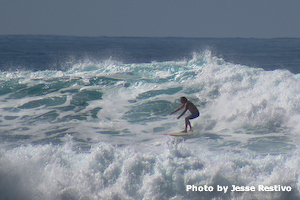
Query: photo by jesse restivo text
[{"x": 236, "y": 188}]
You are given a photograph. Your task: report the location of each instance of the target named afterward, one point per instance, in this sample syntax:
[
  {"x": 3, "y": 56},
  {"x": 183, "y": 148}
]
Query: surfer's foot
[
  {"x": 191, "y": 130},
  {"x": 184, "y": 131}
]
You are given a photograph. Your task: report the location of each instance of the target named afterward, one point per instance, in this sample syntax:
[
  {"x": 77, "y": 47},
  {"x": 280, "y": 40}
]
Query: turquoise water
[{"x": 95, "y": 130}]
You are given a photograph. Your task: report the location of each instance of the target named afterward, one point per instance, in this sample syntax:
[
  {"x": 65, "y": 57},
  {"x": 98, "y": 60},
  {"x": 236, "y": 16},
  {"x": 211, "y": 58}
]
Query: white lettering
[
  {"x": 286, "y": 188},
  {"x": 274, "y": 188},
  {"x": 261, "y": 188},
  {"x": 242, "y": 188},
  {"x": 210, "y": 188},
  {"x": 237, "y": 188},
  {"x": 200, "y": 188},
  {"x": 188, "y": 187},
  {"x": 222, "y": 188}
]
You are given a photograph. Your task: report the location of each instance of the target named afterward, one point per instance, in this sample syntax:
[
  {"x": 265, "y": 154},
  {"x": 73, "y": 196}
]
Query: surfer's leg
[
  {"x": 191, "y": 129},
  {"x": 187, "y": 120},
  {"x": 187, "y": 123}
]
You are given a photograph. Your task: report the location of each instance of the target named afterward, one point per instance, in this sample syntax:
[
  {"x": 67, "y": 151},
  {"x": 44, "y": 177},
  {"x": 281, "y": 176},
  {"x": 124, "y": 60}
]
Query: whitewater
[{"x": 94, "y": 130}]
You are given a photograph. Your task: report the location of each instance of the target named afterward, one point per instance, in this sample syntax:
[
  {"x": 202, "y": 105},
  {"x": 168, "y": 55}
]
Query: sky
[{"x": 152, "y": 18}]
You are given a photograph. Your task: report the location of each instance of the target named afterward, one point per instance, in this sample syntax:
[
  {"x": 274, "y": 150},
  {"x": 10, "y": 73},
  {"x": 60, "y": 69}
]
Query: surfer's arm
[
  {"x": 177, "y": 109},
  {"x": 182, "y": 112}
]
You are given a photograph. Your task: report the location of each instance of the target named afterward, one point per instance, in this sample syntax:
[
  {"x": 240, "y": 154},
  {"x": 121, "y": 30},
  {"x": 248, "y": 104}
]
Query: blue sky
[{"x": 152, "y": 18}]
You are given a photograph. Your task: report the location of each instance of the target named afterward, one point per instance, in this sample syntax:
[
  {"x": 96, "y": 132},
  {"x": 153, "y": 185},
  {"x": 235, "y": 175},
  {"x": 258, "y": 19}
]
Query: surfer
[{"x": 187, "y": 105}]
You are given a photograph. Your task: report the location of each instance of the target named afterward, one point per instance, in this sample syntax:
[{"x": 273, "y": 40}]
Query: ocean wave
[
  {"x": 110, "y": 94},
  {"x": 108, "y": 172}
]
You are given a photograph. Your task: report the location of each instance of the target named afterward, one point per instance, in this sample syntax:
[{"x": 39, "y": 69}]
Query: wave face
[
  {"x": 95, "y": 130},
  {"x": 116, "y": 99}
]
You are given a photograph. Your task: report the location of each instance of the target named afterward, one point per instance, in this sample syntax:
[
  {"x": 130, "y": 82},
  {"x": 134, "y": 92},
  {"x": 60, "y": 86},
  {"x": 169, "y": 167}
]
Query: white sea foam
[
  {"x": 247, "y": 132},
  {"x": 108, "y": 172}
]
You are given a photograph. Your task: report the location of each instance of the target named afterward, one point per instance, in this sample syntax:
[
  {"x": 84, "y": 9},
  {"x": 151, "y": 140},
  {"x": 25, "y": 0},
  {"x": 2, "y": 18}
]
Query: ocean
[{"x": 85, "y": 118}]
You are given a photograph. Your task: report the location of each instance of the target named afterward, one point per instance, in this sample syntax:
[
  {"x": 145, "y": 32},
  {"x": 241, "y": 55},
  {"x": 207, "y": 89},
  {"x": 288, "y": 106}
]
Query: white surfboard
[{"x": 179, "y": 133}]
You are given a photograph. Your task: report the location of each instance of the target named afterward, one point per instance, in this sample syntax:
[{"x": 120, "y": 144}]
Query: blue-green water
[{"x": 79, "y": 122}]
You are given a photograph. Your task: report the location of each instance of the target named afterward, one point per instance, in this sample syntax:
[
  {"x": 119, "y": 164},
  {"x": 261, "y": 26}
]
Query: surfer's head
[{"x": 183, "y": 99}]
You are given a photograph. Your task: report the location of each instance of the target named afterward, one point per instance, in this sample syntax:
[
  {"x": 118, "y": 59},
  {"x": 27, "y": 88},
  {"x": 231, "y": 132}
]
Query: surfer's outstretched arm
[
  {"x": 177, "y": 109},
  {"x": 182, "y": 113}
]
